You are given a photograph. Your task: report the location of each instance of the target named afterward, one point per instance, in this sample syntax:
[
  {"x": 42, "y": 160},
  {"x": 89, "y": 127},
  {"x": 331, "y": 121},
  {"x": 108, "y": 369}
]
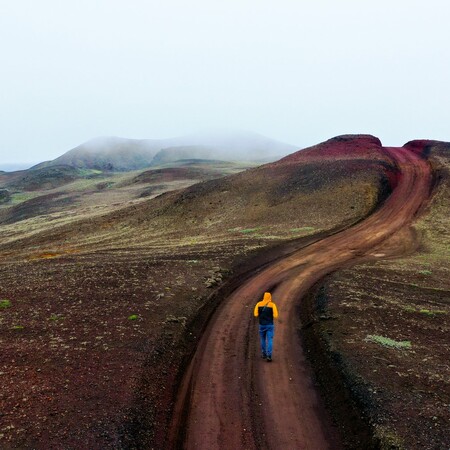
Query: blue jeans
[{"x": 266, "y": 336}]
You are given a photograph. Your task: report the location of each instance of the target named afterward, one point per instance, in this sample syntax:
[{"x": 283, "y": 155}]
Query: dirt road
[{"x": 232, "y": 399}]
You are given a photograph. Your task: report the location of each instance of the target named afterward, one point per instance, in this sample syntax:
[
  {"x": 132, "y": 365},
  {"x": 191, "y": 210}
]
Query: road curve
[{"x": 234, "y": 400}]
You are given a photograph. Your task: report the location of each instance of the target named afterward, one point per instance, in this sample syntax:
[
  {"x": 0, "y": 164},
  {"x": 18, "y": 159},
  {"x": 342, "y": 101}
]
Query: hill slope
[
  {"x": 270, "y": 201},
  {"x": 391, "y": 322},
  {"x": 44, "y": 178},
  {"x": 120, "y": 154},
  {"x": 114, "y": 302},
  {"x": 109, "y": 153}
]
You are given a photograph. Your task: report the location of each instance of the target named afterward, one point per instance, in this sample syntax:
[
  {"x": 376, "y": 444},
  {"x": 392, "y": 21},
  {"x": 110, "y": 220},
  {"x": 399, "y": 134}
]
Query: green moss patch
[
  {"x": 387, "y": 342},
  {"x": 5, "y": 304}
]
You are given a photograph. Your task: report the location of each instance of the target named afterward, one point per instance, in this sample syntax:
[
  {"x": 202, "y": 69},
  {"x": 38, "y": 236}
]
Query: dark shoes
[
  {"x": 269, "y": 359},
  {"x": 263, "y": 356}
]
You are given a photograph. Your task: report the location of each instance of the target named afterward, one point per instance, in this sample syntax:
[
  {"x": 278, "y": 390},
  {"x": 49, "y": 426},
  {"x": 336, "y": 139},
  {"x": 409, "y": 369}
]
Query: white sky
[{"x": 296, "y": 70}]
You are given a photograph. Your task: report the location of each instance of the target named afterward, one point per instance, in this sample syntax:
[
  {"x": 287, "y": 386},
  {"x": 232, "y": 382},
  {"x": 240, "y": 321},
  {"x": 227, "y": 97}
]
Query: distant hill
[
  {"x": 233, "y": 145},
  {"x": 109, "y": 153},
  {"x": 172, "y": 154},
  {"x": 44, "y": 178},
  {"x": 120, "y": 154},
  {"x": 273, "y": 200}
]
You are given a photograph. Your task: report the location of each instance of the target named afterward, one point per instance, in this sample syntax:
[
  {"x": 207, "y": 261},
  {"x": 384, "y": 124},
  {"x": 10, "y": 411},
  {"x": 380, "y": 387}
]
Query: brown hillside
[
  {"x": 340, "y": 147},
  {"x": 390, "y": 326},
  {"x": 272, "y": 202},
  {"x": 101, "y": 314}
]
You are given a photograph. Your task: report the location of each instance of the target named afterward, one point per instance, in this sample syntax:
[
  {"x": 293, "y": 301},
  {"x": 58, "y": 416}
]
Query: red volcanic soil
[
  {"x": 137, "y": 335},
  {"x": 360, "y": 152},
  {"x": 229, "y": 397},
  {"x": 423, "y": 147},
  {"x": 346, "y": 147}
]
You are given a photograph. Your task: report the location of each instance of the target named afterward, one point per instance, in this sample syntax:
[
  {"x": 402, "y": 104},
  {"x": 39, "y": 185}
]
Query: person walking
[{"x": 266, "y": 310}]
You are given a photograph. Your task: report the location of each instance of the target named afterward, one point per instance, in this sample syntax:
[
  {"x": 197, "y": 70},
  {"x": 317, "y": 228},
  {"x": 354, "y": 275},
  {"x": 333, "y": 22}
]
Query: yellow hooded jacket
[{"x": 266, "y": 310}]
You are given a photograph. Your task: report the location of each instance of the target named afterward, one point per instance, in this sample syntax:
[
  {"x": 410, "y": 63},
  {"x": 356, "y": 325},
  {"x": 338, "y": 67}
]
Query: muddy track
[{"x": 230, "y": 398}]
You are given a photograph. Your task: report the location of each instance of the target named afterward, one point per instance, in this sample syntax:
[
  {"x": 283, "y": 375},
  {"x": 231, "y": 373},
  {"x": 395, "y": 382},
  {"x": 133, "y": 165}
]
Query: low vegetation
[
  {"x": 387, "y": 342},
  {"x": 111, "y": 289},
  {"x": 404, "y": 304},
  {"x": 5, "y": 303},
  {"x": 79, "y": 257}
]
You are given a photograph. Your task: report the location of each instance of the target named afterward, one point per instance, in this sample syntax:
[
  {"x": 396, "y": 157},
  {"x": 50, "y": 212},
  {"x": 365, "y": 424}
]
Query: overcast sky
[{"x": 296, "y": 70}]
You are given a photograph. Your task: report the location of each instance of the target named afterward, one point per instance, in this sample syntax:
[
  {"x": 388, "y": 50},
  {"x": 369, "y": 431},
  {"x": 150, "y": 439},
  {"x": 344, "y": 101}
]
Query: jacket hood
[{"x": 267, "y": 297}]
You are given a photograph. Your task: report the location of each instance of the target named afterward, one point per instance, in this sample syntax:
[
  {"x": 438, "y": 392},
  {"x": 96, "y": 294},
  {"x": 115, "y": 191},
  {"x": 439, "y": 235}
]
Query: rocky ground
[
  {"x": 101, "y": 307},
  {"x": 385, "y": 328},
  {"x": 100, "y": 311}
]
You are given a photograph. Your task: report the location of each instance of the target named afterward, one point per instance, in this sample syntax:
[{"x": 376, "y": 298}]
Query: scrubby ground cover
[
  {"x": 386, "y": 325},
  {"x": 76, "y": 335},
  {"x": 93, "y": 194},
  {"x": 103, "y": 311}
]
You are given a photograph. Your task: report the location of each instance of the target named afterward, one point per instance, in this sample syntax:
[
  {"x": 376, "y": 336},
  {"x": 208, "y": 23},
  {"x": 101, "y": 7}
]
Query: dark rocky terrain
[
  {"x": 105, "y": 291},
  {"x": 5, "y": 196},
  {"x": 383, "y": 328}
]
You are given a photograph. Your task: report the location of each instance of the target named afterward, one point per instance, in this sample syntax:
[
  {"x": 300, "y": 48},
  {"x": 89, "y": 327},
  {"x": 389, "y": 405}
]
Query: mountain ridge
[{"x": 123, "y": 154}]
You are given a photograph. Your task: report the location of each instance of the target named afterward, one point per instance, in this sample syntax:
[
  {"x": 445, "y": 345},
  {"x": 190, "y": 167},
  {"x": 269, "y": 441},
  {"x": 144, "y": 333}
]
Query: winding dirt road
[{"x": 230, "y": 398}]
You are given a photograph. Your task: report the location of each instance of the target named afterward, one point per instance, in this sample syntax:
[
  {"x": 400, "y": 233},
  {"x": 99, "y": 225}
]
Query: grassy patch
[
  {"x": 5, "y": 303},
  {"x": 249, "y": 230},
  {"x": 18, "y": 327},
  {"x": 426, "y": 312},
  {"x": 133, "y": 317},
  {"x": 425, "y": 272},
  {"x": 268, "y": 236},
  {"x": 301, "y": 230},
  {"x": 432, "y": 313},
  {"x": 55, "y": 317},
  {"x": 387, "y": 342},
  {"x": 387, "y": 438},
  {"x": 89, "y": 172},
  {"x": 244, "y": 230},
  {"x": 20, "y": 197}
]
